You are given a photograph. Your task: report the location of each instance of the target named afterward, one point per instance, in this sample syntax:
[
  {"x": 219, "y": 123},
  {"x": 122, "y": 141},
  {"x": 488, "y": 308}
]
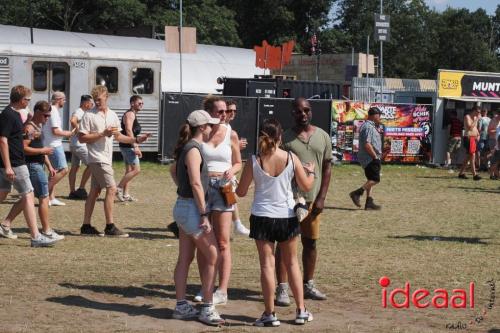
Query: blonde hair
[
  {"x": 56, "y": 95},
  {"x": 98, "y": 91}
]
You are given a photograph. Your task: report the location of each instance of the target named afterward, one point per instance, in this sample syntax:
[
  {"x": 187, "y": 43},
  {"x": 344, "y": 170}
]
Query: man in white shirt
[
  {"x": 97, "y": 129},
  {"x": 79, "y": 153},
  {"x": 52, "y": 134}
]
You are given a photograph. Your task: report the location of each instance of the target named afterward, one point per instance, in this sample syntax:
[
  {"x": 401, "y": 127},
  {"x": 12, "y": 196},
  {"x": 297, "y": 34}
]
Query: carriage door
[{"x": 49, "y": 77}]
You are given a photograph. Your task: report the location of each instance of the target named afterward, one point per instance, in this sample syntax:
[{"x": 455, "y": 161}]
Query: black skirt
[{"x": 273, "y": 229}]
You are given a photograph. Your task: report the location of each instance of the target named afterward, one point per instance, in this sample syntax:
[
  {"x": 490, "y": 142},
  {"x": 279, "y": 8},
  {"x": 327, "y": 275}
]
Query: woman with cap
[
  {"x": 191, "y": 176},
  {"x": 273, "y": 219}
]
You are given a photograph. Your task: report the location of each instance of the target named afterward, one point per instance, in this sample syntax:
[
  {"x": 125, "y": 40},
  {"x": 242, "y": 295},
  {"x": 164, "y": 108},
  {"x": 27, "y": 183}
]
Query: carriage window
[
  {"x": 142, "y": 81},
  {"x": 39, "y": 77},
  {"x": 107, "y": 76},
  {"x": 58, "y": 79}
]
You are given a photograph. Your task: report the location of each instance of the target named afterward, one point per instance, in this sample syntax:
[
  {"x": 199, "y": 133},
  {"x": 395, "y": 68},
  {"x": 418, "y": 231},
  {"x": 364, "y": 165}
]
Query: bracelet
[
  {"x": 311, "y": 173},
  {"x": 204, "y": 214}
]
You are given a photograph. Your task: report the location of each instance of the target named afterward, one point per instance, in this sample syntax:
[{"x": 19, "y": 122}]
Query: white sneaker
[
  {"x": 42, "y": 241},
  {"x": 210, "y": 316},
  {"x": 198, "y": 298},
  {"x": 185, "y": 311},
  {"x": 53, "y": 235},
  {"x": 7, "y": 232},
  {"x": 239, "y": 228},
  {"x": 129, "y": 198},
  {"x": 119, "y": 194},
  {"x": 56, "y": 202},
  {"x": 219, "y": 298}
]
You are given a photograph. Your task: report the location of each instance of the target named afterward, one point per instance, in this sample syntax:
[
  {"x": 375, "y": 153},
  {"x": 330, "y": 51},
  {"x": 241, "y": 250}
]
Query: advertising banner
[
  {"x": 463, "y": 84},
  {"x": 405, "y": 129}
]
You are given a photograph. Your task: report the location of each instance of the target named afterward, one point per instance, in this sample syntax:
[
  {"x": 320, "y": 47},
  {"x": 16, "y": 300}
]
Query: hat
[
  {"x": 373, "y": 111},
  {"x": 201, "y": 117}
]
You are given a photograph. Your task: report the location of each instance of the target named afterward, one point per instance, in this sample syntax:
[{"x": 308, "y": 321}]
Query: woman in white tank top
[
  {"x": 273, "y": 219},
  {"x": 223, "y": 159}
]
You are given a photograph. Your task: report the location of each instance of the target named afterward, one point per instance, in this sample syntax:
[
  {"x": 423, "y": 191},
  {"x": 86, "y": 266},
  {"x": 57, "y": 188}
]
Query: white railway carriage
[{"x": 76, "y": 62}]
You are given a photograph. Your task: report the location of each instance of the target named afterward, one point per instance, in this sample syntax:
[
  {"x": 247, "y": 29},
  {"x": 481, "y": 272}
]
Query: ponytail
[
  {"x": 266, "y": 145},
  {"x": 270, "y": 135},
  {"x": 186, "y": 133}
]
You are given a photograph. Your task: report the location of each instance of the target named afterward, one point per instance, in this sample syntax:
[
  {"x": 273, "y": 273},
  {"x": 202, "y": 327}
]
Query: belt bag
[{"x": 227, "y": 194}]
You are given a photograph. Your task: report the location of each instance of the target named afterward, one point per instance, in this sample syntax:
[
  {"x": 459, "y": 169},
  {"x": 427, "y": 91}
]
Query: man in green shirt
[{"x": 310, "y": 144}]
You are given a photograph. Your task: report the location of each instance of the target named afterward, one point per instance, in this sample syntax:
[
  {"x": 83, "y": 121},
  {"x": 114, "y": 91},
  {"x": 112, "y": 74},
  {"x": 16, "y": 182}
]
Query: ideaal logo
[
  {"x": 439, "y": 299},
  {"x": 423, "y": 298},
  {"x": 450, "y": 84}
]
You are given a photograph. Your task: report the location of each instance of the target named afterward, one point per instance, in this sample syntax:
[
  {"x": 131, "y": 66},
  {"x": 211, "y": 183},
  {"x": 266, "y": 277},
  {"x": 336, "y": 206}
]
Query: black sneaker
[
  {"x": 355, "y": 197},
  {"x": 493, "y": 177},
  {"x": 81, "y": 193},
  {"x": 73, "y": 196},
  {"x": 477, "y": 177},
  {"x": 370, "y": 205},
  {"x": 462, "y": 176},
  {"x": 115, "y": 232},
  {"x": 89, "y": 230}
]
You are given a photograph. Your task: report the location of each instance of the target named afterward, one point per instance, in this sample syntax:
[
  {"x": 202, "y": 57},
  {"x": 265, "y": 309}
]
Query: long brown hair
[
  {"x": 270, "y": 134},
  {"x": 186, "y": 133}
]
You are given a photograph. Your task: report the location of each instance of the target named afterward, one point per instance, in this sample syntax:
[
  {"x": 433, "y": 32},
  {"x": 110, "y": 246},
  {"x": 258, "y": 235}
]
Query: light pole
[
  {"x": 180, "y": 44},
  {"x": 381, "y": 58}
]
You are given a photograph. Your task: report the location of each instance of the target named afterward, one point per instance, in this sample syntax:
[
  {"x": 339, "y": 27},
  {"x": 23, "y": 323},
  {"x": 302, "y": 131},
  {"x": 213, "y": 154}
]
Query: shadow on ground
[
  {"x": 341, "y": 208},
  {"x": 469, "y": 240},
  {"x": 475, "y": 189},
  {"x": 131, "y": 310}
]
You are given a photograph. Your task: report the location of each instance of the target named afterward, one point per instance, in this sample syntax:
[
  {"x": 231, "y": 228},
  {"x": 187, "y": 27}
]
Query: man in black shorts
[{"x": 370, "y": 151}]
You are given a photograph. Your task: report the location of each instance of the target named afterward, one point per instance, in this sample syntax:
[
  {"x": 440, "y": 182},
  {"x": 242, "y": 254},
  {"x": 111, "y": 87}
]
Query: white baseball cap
[{"x": 201, "y": 117}]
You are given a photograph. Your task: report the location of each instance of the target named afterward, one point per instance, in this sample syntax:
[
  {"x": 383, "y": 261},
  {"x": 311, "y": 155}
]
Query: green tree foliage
[{"x": 422, "y": 40}]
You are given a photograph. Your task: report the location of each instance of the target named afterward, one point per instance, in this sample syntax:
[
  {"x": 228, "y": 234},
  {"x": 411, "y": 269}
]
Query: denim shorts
[
  {"x": 129, "y": 156},
  {"x": 215, "y": 201},
  {"x": 58, "y": 159},
  {"x": 187, "y": 216},
  {"x": 39, "y": 180},
  {"x": 79, "y": 155},
  {"x": 21, "y": 182}
]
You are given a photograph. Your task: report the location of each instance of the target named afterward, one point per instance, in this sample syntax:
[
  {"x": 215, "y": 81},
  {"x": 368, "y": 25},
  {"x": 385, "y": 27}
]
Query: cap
[
  {"x": 373, "y": 111},
  {"x": 201, "y": 117}
]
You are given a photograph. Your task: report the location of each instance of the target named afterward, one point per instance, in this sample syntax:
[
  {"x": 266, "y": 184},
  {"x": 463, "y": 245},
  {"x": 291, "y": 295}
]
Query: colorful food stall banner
[{"x": 405, "y": 128}]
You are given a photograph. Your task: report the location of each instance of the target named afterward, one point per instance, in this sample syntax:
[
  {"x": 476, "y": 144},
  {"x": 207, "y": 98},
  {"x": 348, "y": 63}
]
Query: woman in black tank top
[{"x": 195, "y": 232}]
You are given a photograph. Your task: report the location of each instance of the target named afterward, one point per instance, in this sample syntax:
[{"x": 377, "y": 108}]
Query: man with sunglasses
[
  {"x": 36, "y": 156},
  {"x": 13, "y": 169},
  {"x": 310, "y": 144},
  {"x": 131, "y": 152},
  {"x": 79, "y": 152}
]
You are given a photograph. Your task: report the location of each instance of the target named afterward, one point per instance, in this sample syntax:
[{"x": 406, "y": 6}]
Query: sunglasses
[
  {"x": 231, "y": 110},
  {"x": 305, "y": 110},
  {"x": 46, "y": 115},
  {"x": 224, "y": 111}
]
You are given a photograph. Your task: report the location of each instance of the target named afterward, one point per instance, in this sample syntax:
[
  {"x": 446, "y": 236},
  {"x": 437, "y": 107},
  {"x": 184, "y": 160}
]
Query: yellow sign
[{"x": 450, "y": 84}]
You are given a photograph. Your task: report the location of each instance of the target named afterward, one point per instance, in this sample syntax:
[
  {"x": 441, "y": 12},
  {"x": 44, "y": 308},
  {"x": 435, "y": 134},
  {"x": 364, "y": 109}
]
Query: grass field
[{"x": 435, "y": 231}]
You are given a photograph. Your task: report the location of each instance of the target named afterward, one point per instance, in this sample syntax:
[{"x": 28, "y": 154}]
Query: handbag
[
  {"x": 301, "y": 209},
  {"x": 228, "y": 194}
]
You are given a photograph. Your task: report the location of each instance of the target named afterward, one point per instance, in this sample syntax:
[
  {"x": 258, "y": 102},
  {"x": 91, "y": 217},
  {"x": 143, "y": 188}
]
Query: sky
[{"x": 489, "y": 5}]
